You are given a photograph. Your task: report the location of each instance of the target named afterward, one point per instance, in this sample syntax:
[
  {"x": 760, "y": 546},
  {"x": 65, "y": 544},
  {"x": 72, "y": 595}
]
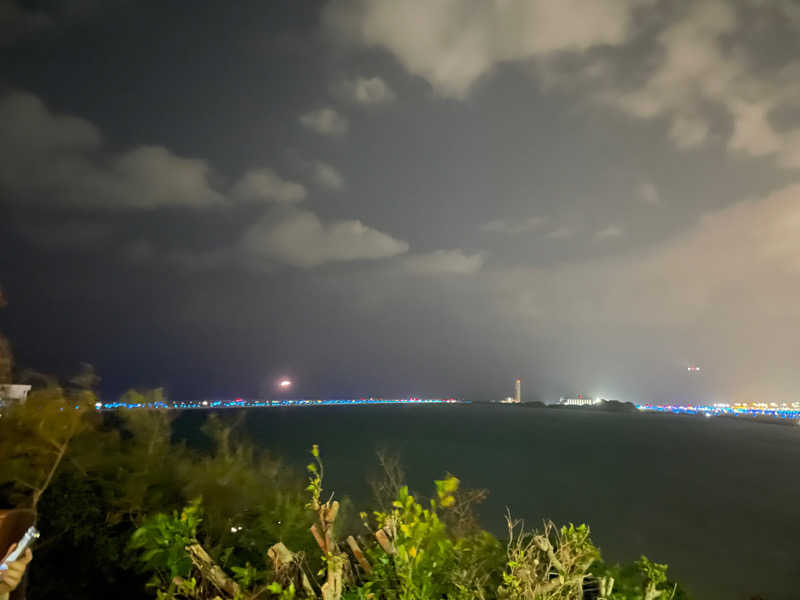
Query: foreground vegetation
[
  {"x": 123, "y": 508},
  {"x": 414, "y": 551}
]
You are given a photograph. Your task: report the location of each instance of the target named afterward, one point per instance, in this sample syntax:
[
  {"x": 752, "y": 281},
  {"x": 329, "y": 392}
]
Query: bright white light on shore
[{"x": 285, "y": 383}]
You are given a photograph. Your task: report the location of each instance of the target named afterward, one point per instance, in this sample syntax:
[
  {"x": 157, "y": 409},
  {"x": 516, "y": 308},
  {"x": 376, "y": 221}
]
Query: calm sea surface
[{"x": 717, "y": 499}]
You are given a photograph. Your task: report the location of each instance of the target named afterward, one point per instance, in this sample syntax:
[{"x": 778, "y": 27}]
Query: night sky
[{"x": 388, "y": 198}]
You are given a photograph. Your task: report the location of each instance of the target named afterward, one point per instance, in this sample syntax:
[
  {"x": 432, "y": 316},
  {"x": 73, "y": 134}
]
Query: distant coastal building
[
  {"x": 13, "y": 393},
  {"x": 579, "y": 401}
]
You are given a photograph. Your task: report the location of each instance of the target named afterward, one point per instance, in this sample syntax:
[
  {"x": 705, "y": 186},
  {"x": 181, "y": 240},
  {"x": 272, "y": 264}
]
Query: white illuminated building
[
  {"x": 579, "y": 401},
  {"x": 13, "y": 393}
]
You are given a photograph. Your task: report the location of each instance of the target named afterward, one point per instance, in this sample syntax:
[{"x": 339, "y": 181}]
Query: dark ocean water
[{"x": 716, "y": 499}]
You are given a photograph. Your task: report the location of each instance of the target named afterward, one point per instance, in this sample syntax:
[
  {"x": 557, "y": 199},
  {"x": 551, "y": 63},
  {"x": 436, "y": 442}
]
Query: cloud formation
[
  {"x": 367, "y": 91},
  {"x": 62, "y": 160},
  {"x": 735, "y": 251},
  {"x": 325, "y": 121},
  {"x": 453, "y": 44},
  {"x": 648, "y": 193},
  {"x": 683, "y": 65},
  {"x": 701, "y": 65},
  {"x": 265, "y": 185},
  {"x": 300, "y": 239},
  {"x": 46, "y": 157},
  {"x": 612, "y": 231},
  {"x": 444, "y": 262},
  {"x": 327, "y": 176},
  {"x": 729, "y": 283},
  {"x": 513, "y": 227},
  {"x": 560, "y": 233}
]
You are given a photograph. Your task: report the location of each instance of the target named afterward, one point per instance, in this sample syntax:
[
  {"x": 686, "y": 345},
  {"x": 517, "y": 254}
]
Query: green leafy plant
[
  {"x": 422, "y": 555},
  {"x": 162, "y": 541},
  {"x": 655, "y": 576},
  {"x": 551, "y": 564},
  {"x": 640, "y": 580},
  {"x": 282, "y": 593}
]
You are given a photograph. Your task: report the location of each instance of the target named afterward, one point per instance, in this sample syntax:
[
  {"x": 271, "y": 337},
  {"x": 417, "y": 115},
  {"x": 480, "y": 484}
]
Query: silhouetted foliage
[
  {"x": 95, "y": 477},
  {"x": 6, "y": 359}
]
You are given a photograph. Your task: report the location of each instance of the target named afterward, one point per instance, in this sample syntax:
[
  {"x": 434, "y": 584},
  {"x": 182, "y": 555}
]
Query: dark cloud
[
  {"x": 61, "y": 160},
  {"x": 23, "y": 21},
  {"x": 68, "y": 234},
  {"x": 17, "y": 22}
]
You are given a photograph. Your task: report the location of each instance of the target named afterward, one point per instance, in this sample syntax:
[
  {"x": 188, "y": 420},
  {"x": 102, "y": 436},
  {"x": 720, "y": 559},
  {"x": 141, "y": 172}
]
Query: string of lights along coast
[
  {"x": 755, "y": 409},
  {"x": 258, "y": 403},
  {"x": 283, "y": 385}
]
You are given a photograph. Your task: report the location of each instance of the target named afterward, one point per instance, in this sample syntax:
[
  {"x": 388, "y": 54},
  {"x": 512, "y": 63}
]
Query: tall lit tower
[{"x": 517, "y": 391}]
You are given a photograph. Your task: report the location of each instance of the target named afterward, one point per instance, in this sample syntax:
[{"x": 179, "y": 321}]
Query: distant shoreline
[
  {"x": 630, "y": 408},
  {"x": 612, "y": 406}
]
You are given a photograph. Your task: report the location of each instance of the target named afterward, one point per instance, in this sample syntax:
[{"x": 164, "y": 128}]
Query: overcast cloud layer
[{"x": 409, "y": 197}]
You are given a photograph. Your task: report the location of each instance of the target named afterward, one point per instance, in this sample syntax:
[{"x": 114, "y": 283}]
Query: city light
[{"x": 756, "y": 409}]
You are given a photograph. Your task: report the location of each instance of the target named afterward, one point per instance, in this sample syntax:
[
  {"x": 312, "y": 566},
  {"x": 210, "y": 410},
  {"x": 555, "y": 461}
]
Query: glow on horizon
[{"x": 285, "y": 384}]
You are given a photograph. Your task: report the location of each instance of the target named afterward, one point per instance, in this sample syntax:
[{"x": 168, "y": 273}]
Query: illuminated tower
[{"x": 518, "y": 391}]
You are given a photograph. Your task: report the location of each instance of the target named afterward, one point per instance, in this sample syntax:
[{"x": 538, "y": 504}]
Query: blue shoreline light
[
  {"x": 243, "y": 403},
  {"x": 710, "y": 411}
]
